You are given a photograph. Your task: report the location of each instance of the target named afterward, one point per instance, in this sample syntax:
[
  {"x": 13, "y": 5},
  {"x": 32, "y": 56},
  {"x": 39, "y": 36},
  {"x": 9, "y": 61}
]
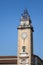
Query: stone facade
[{"x": 25, "y": 40}]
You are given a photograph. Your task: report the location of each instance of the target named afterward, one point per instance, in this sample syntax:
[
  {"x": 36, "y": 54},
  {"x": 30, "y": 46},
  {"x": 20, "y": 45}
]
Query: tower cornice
[{"x": 21, "y": 27}]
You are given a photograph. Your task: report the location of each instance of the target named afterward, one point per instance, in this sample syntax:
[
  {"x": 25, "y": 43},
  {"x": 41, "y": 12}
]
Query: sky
[{"x": 10, "y": 13}]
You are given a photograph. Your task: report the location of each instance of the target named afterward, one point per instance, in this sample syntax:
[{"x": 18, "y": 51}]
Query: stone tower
[{"x": 25, "y": 40}]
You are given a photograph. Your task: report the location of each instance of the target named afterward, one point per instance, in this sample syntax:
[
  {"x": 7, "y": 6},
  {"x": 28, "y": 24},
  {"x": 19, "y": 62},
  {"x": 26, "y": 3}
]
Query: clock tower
[{"x": 25, "y": 40}]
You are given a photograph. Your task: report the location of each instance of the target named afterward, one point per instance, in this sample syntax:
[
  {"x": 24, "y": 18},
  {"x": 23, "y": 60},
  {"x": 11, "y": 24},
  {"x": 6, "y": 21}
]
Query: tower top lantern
[{"x": 25, "y": 15}]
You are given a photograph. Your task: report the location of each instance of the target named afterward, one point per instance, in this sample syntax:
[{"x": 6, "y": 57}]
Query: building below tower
[{"x": 12, "y": 60}]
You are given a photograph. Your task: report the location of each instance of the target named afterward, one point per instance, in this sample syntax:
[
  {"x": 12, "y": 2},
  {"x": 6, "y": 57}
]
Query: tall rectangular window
[{"x": 23, "y": 47}]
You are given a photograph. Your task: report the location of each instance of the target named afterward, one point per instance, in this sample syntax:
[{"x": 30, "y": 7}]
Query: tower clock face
[{"x": 24, "y": 35}]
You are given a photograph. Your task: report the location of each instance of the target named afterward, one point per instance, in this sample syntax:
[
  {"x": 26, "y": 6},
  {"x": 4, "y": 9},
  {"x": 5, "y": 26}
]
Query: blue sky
[{"x": 10, "y": 13}]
